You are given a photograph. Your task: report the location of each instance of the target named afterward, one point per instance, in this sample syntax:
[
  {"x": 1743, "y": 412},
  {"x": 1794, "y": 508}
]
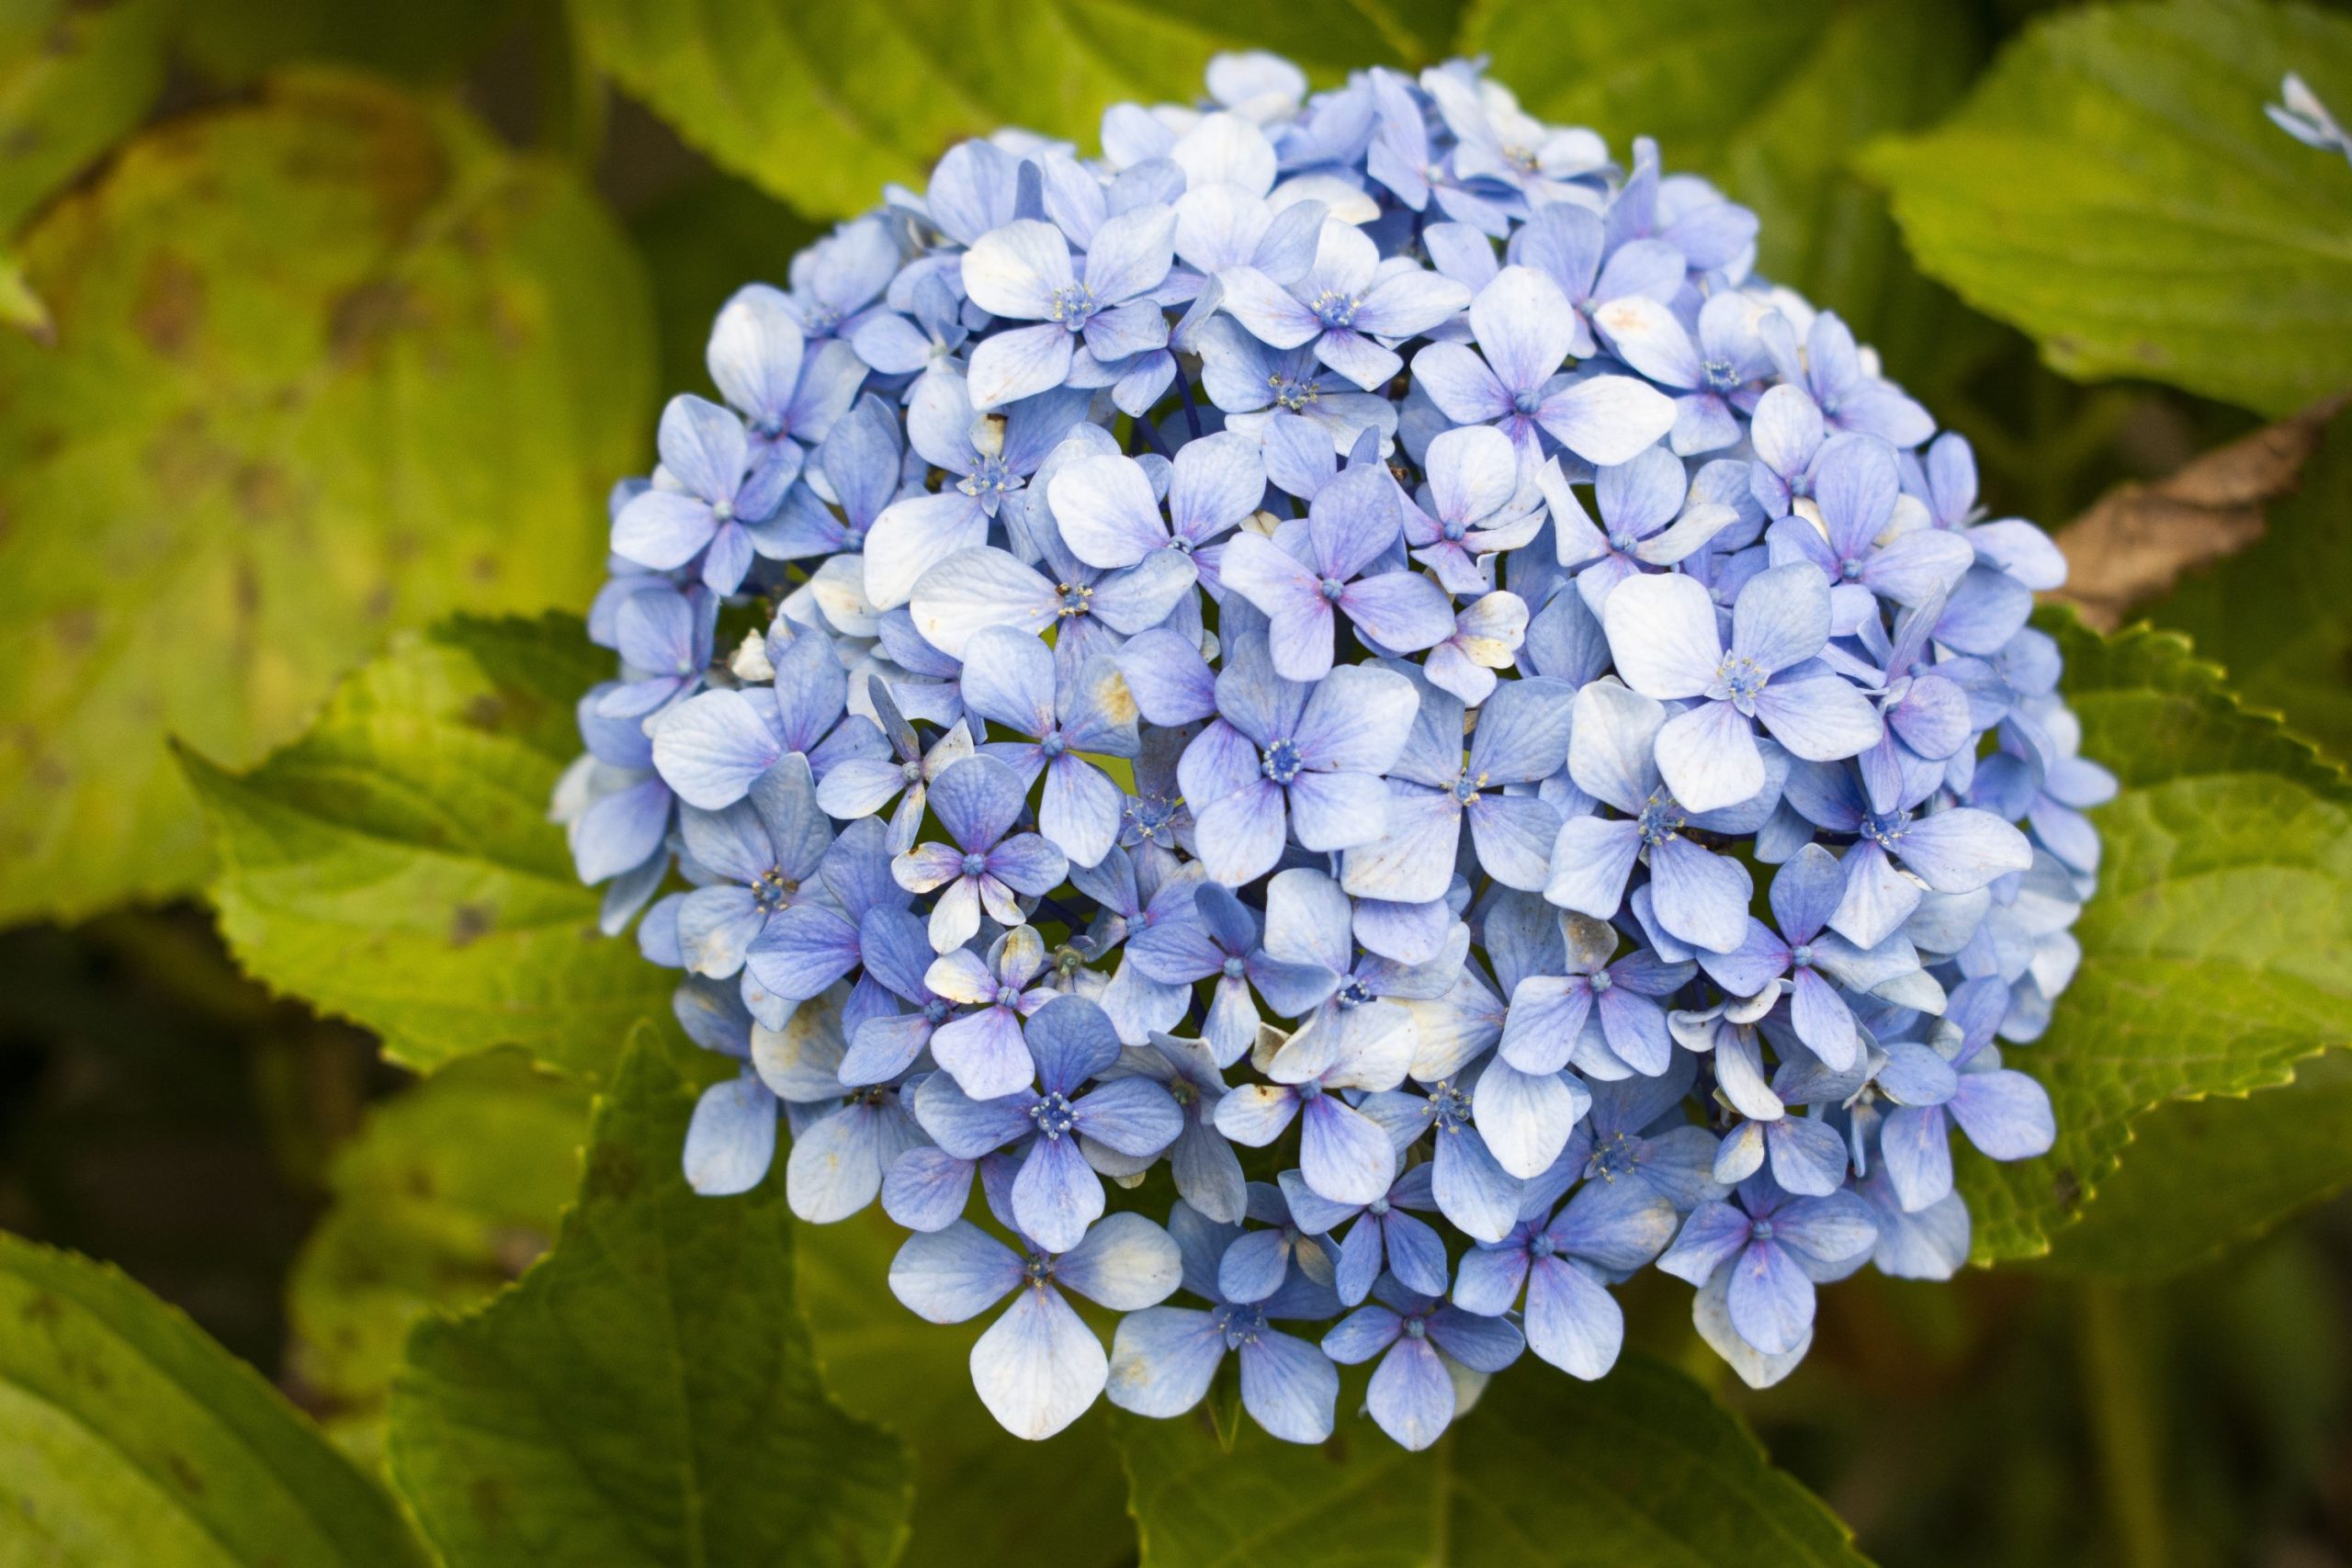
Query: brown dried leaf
[{"x": 2138, "y": 539}]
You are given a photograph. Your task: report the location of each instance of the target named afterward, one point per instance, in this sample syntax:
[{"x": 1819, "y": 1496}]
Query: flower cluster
[{"x": 1347, "y": 715}]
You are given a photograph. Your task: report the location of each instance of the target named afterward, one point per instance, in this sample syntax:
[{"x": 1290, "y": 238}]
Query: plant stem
[{"x": 2124, "y": 1427}]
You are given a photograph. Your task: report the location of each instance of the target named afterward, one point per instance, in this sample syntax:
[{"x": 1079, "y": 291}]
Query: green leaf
[
  {"x": 2218, "y": 951},
  {"x": 73, "y": 79},
  {"x": 2114, "y": 188},
  {"x": 1770, "y": 101},
  {"x": 2202, "y": 1177},
  {"x": 2278, "y": 618},
  {"x": 824, "y": 103},
  {"x": 1640, "y": 1469},
  {"x": 422, "y": 40},
  {"x": 982, "y": 1494},
  {"x": 328, "y": 364},
  {"x": 450, "y": 1190},
  {"x": 646, "y": 1395},
  {"x": 396, "y": 864},
  {"x": 127, "y": 1437}
]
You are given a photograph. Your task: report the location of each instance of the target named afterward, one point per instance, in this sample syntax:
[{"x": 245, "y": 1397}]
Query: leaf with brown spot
[
  {"x": 2138, "y": 540},
  {"x": 286, "y": 415}
]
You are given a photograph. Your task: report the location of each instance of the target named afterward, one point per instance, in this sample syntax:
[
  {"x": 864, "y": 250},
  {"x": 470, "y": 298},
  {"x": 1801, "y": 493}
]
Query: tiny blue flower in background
[{"x": 1297, "y": 634}]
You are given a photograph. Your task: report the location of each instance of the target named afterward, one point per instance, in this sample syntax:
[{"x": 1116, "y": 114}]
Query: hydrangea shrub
[{"x": 1333, "y": 729}]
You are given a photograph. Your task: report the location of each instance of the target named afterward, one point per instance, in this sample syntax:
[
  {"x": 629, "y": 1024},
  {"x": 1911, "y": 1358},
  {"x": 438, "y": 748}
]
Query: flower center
[
  {"x": 1352, "y": 993},
  {"x": 773, "y": 891},
  {"x": 1448, "y": 1107},
  {"x": 1466, "y": 788},
  {"x": 1075, "y": 601},
  {"x": 1802, "y": 956},
  {"x": 975, "y": 864},
  {"x": 1333, "y": 588},
  {"x": 1294, "y": 395},
  {"x": 1612, "y": 1157},
  {"x": 1661, "y": 820},
  {"x": 1241, "y": 1324},
  {"x": 1415, "y": 1328},
  {"x": 1073, "y": 304},
  {"x": 1886, "y": 832},
  {"x": 723, "y": 509},
  {"x": 990, "y": 480},
  {"x": 1054, "y": 1115},
  {"x": 1541, "y": 1244},
  {"x": 1721, "y": 375},
  {"x": 1336, "y": 309},
  {"x": 1761, "y": 1231},
  {"x": 1600, "y": 980},
  {"x": 1282, "y": 763},
  {"x": 1527, "y": 401},
  {"x": 1740, "y": 679},
  {"x": 910, "y": 771},
  {"x": 1234, "y": 968}
]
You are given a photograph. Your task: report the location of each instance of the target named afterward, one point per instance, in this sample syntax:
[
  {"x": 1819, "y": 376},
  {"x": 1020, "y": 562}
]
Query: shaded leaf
[
  {"x": 823, "y": 104},
  {"x": 2205, "y": 1176},
  {"x": 982, "y": 1495},
  {"x": 327, "y": 364},
  {"x": 646, "y": 1395},
  {"x": 74, "y": 78},
  {"x": 128, "y": 1436},
  {"x": 1642, "y": 1468},
  {"x": 450, "y": 1190},
  {"x": 2218, "y": 950},
  {"x": 396, "y": 864},
  {"x": 423, "y": 40},
  {"x": 2114, "y": 188}
]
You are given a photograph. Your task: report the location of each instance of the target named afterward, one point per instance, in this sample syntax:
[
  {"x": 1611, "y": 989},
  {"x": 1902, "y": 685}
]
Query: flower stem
[{"x": 2124, "y": 1425}]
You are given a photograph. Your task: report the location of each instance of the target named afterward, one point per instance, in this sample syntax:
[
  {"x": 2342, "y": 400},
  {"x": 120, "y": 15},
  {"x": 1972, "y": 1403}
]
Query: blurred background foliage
[{"x": 329, "y": 318}]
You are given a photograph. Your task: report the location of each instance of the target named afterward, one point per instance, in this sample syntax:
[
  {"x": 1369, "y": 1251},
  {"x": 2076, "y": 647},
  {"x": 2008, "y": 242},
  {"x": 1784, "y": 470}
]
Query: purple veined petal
[
  {"x": 1134, "y": 1116},
  {"x": 1131, "y": 252},
  {"x": 1163, "y": 1360},
  {"x": 1362, "y": 1334},
  {"x": 1307, "y": 923},
  {"x": 1808, "y": 1157},
  {"x": 1915, "y": 1155},
  {"x": 731, "y": 1142},
  {"x": 1025, "y": 863},
  {"x": 961, "y": 976},
  {"x": 703, "y": 447},
  {"x": 2021, "y": 551},
  {"x": 1700, "y": 897},
  {"x": 1240, "y": 836},
  {"x": 1056, "y": 1195},
  {"x": 926, "y": 1188},
  {"x": 1514, "y": 837},
  {"x": 1358, "y": 358},
  {"x": 1020, "y": 364},
  {"x": 1416, "y": 1255},
  {"x": 1617, "y": 1224},
  {"x": 1356, "y": 720},
  {"x": 1823, "y": 1020},
  {"x": 1932, "y": 719},
  {"x": 1709, "y": 1237},
  {"x": 1218, "y": 481},
  {"x": 1482, "y": 1344},
  {"x": 1786, "y": 430},
  {"x": 1524, "y": 323},
  {"x": 1489, "y": 1279},
  {"x": 1330, "y": 812},
  {"x": 1016, "y": 270},
  {"x": 2004, "y": 1113},
  {"x": 884, "y": 1047},
  {"x": 1410, "y": 1394},
  {"x": 1413, "y": 861},
  {"x": 803, "y": 950},
  {"x": 835, "y": 1166},
  {"x": 1137, "y": 597},
  {"x": 1919, "y": 566},
  {"x": 1771, "y": 1300},
  {"x": 1125, "y": 332},
  {"x": 1962, "y": 849},
  {"x": 976, "y": 589},
  {"x": 1855, "y": 486},
  {"x": 1270, "y": 313},
  {"x": 983, "y": 1054},
  {"x": 1291, "y": 597},
  {"x": 1461, "y": 385},
  {"x": 1548, "y": 1013},
  {"x": 1360, "y": 1261},
  {"x": 711, "y": 747},
  {"x": 914, "y": 534},
  {"x": 1351, "y": 521},
  {"x": 1071, "y": 1041},
  {"x": 1474, "y": 1189},
  {"x": 1399, "y": 610},
  {"x": 1708, "y": 756},
  {"x": 1634, "y": 1027},
  {"x": 1877, "y": 899},
  {"x": 1254, "y": 1267},
  {"x": 1571, "y": 1321},
  {"x": 1710, "y": 1314},
  {"x": 1256, "y": 1114},
  {"x": 1822, "y": 719},
  {"x": 755, "y": 351},
  {"x": 953, "y": 1274},
  {"x": 1079, "y": 812},
  {"x": 1805, "y": 892},
  {"x": 1008, "y": 678},
  {"x": 1663, "y": 634},
  {"x": 1607, "y": 418},
  {"x": 1782, "y": 616},
  {"x": 1525, "y": 1118},
  {"x": 1038, "y": 1367},
  {"x": 1646, "y": 335},
  {"x": 617, "y": 833},
  {"x": 1171, "y": 683},
  {"x": 1825, "y": 1232},
  {"x": 1289, "y": 1387},
  {"x": 1108, "y": 514},
  {"x": 1591, "y": 860},
  {"x": 1611, "y": 745},
  {"x": 1760, "y": 959},
  {"x": 967, "y": 1127},
  {"x": 928, "y": 867},
  {"x": 1406, "y": 303},
  {"x": 1208, "y": 1172},
  {"x": 1345, "y": 1155},
  {"x": 1930, "y": 1245}
]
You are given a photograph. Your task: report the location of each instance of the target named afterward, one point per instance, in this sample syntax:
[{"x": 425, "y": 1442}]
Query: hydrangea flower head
[{"x": 1291, "y": 645}]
